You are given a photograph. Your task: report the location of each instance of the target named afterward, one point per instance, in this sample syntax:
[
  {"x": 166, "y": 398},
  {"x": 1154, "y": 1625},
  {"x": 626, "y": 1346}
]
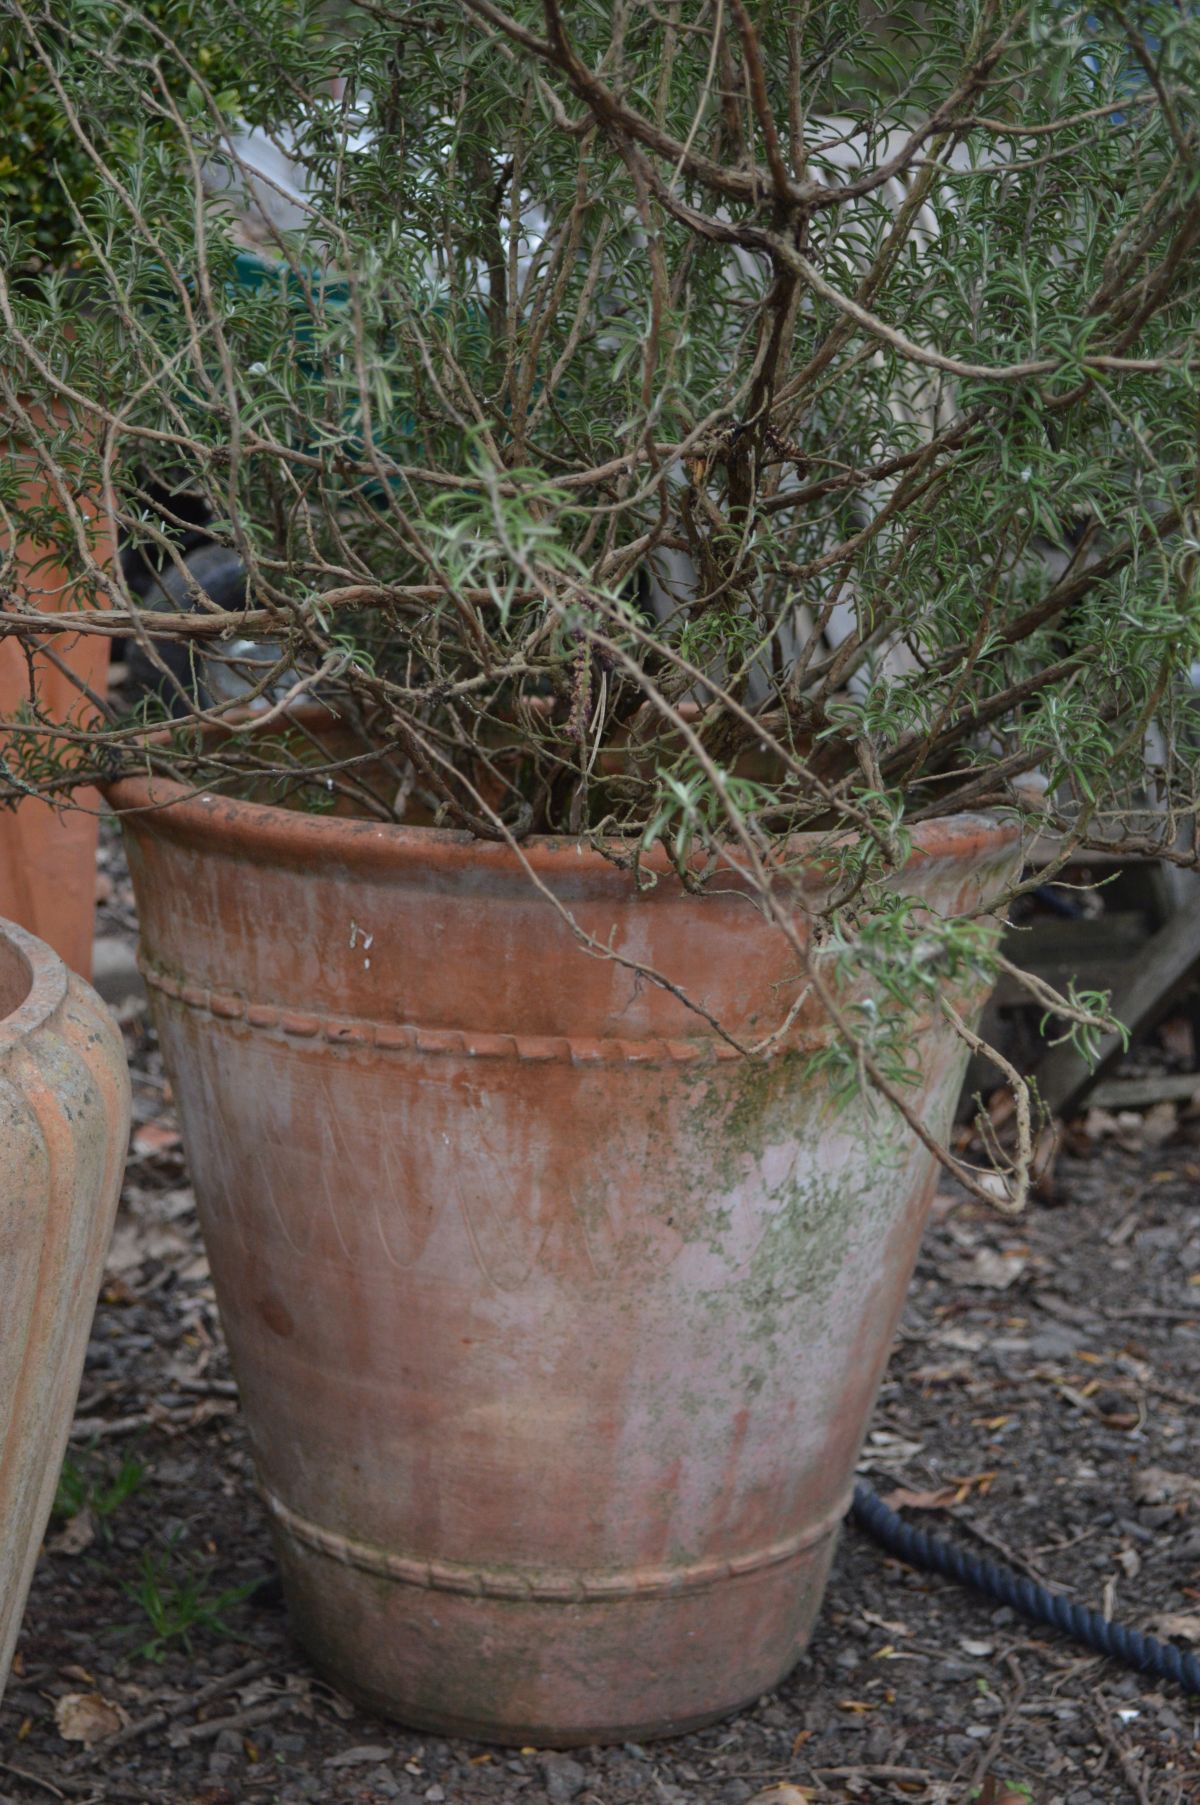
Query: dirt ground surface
[{"x": 1042, "y": 1407}]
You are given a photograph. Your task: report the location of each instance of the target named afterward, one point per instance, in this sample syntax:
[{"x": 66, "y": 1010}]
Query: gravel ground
[{"x": 1041, "y": 1407}]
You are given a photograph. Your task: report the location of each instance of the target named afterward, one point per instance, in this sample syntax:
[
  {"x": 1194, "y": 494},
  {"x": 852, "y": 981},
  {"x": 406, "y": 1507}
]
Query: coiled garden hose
[{"x": 1038, "y": 1603}]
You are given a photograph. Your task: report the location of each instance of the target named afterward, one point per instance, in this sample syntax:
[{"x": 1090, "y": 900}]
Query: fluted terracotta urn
[
  {"x": 557, "y": 1322},
  {"x": 64, "y": 1129}
]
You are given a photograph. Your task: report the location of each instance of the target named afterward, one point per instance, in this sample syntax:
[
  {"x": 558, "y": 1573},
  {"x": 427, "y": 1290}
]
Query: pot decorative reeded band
[
  {"x": 64, "y": 1128},
  {"x": 557, "y": 1322}
]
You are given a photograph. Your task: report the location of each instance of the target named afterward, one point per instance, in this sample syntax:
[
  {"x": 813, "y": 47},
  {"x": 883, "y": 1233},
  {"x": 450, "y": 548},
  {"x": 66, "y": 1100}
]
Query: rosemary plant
[{"x": 691, "y": 423}]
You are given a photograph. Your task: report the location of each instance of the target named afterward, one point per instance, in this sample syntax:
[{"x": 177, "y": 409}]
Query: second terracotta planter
[
  {"x": 557, "y": 1324},
  {"x": 64, "y": 1128},
  {"x": 48, "y": 855}
]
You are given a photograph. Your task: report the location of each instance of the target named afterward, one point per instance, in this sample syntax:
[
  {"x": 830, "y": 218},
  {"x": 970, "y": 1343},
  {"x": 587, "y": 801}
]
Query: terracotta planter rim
[
  {"x": 45, "y": 990},
  {"x": 260, "y": 830}
]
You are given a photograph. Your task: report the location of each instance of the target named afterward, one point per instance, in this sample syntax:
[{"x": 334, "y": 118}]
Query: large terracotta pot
[
  {"x": 557, "y": 1323},
  {"x": 64, "y": 1128},
  {"x": 48, "y": 855}
]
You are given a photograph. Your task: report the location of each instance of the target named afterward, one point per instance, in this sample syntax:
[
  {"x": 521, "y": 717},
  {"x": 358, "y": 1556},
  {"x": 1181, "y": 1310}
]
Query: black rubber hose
[{"x": 1038, "y": 1603}]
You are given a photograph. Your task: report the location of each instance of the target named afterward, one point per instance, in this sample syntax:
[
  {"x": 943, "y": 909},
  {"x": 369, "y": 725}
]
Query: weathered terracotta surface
[
  {"x": 48, "y": 855},
  {"x": 557, "y": 1328},
  {"x": 64, "y": 1128}
]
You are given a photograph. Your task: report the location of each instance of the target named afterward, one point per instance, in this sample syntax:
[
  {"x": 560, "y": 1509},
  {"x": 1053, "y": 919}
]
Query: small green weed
[
  {"x": 101, "y": 1491},
  {"x": 177, "y": 1598}
]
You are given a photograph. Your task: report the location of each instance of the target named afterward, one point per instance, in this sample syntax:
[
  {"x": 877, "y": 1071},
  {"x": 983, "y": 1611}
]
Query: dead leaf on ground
[
  {"x": 1181, "y": 1626},
  {"x": 360, "y": 1756},
  {"x": 160, "y": 1241},
  {"x": 151, "y": 1138},
  {"x": 889, "y": 1624},
  {"x": 886, "y": 1448},
  {"x": 1127, "y": 1128},
  {"x": 341, "y": 1707},
  {"x": 125, "y": 1253},
  {"x": 941, "y": 1499},
  {"x": 966, "y": 1341},
  {"x": 78, "y": 1534},
  {"x": 87, "y": 1717},
  {"x": 987, "y": 1270},
  {"x": 783, "y": 1794},
  {"x": 957, "y": 1372},
  {"x": 1155, "y": 1485},
  {"x": 137, "y": 1240},
  {"x": 955, "y": 1491},
  {"x": 1159, "y": 1123},
  {"x": 116, "y": 1291}
]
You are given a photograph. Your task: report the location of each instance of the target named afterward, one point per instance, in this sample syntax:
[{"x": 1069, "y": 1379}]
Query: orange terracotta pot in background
[
  {"x": 64, "y": 1128},
  {"x": 48, "y": 855},
  {"x": 557, "y": 1324}
]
